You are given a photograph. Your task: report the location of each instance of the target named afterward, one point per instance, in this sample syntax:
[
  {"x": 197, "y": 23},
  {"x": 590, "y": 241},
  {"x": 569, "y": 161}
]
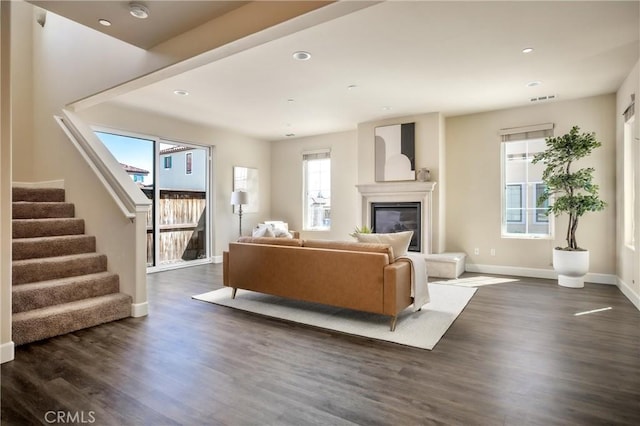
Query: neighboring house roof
[
  {"x": 134, "y": 170},
  {"x": 175, "y": 149}
]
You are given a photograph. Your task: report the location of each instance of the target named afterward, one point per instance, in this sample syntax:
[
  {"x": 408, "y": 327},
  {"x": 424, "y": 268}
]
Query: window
[
  {"x": 541, "y": 208},
  {"x": 523, "y": 216},
  {"x": 514, "y": 202},
  {"x": 189, "y": 162},
  {"x": 178, "y": 223},
  {"x": 316, "y": 167}
]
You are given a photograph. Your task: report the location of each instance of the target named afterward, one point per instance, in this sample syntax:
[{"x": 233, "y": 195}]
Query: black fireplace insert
[{"x": 396, "y": 217}]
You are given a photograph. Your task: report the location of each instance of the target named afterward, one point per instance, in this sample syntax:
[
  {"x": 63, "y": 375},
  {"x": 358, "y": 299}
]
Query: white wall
[
  {"x": 22, "y": 83},
  {"x": 230, "y": 149},
  {"x": 286, "y": 194},
  {"x": 628, "y": 260},
  {"x": 474, "y": 193},
  {"x": 430, "y": 153},
  {"x": 6, "y": 345}
]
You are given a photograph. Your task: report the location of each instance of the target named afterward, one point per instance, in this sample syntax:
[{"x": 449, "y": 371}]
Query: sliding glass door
[
  {"x": 175, "y": 176},
  {"x": 182, "y": 203}
]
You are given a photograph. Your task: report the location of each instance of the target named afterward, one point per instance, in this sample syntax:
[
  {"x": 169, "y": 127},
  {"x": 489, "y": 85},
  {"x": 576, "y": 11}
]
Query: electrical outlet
[
  {"x": 476, "y": 251},
  {"x": 493, "y": 252}
]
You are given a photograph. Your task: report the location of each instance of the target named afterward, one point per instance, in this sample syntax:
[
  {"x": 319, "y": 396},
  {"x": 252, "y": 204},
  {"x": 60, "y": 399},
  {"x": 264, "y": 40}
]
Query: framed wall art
[{"x": 395, "y": 152}]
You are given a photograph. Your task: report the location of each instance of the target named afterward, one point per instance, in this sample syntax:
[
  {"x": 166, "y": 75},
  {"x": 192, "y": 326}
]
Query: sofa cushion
[
  {"x": 351, "y": 246},
  {"x": 271, "y": 241},
  {"x": 398, "y": 240}
]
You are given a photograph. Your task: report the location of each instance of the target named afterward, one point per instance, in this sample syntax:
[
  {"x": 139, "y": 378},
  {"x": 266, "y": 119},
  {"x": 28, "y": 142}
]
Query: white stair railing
[{"x": 117, "y": 183}]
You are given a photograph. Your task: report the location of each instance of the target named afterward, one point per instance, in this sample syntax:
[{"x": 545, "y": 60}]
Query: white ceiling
[
  {"x": 408, "y": 57},
  {"x": 166, "y": 19}
]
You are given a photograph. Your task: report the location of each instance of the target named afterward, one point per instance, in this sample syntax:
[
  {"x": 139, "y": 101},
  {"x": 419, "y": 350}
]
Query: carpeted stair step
[
  {"x": 32, "y": 270},
  {"x": 54, "y": 292},
  {"x": 60, "y": 319},
  {"x": 32, "y": 248},
  {"x": 60, "y": 284},
  {"x": 31, "y": 228},
  {"x": 36, "y": 210},
  {"x": 38, "y": 194}
]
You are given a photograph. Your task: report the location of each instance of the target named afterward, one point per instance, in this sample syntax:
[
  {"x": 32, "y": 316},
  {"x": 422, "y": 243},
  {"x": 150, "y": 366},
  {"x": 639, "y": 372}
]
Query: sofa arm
[{"x": 397, "y": 287}]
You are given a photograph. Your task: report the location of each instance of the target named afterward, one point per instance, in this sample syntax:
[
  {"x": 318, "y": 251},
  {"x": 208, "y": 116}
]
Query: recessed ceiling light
[
  {"x": 527, "y": 50},
  {"x": 301, "y": 55},
  {"x": 291, "y": 100},
  {"x": 290, "y": 134},
  {"x": 104, "y": 22},
  {"x": 180, "y": 92},
  {"x": 351, "y": 86},
  {"x": 138, "y": 10},
  {"x": 534, "y": 83},
  {"x": 386, "y": 108}
]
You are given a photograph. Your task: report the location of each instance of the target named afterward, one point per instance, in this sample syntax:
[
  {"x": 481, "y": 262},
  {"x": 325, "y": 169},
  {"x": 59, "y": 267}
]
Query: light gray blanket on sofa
[{"x": 419, "y": 279}]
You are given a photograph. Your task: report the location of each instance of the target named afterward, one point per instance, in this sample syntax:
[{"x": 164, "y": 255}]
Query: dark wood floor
[{"x": 517, "y": 355}]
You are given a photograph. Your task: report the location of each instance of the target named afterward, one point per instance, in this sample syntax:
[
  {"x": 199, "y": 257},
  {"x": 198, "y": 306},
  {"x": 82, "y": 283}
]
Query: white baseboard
[
  {"x": 629, "y": 293},
  {"x": 139, "y": 309},
  {"x": 549, "y": 274},
  {"x": 7, "y": 352},
  {"x": 217, "y": 259},
  {"x": 59, "y": 184}
]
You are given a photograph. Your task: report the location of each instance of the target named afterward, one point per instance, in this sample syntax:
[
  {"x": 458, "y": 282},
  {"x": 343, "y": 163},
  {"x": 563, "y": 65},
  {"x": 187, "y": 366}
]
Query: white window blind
[{"x": 537, "y": 131}]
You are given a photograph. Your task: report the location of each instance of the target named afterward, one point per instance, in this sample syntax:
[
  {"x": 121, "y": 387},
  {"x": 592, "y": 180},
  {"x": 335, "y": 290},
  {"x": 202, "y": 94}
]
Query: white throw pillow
[
  {"x": 262, "y": 230},
  {"x": 281, "y": 233},
  {"x": 277, "y": 224},
  {"x": 398, "y": 240}
]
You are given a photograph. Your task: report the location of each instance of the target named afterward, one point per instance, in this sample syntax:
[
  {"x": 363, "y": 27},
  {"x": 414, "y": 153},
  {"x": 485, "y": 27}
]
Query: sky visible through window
[{"x": 136, "y": 152}]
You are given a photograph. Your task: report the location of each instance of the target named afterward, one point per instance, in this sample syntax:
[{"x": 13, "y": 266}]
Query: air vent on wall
[{"x": 543, "y": 98}]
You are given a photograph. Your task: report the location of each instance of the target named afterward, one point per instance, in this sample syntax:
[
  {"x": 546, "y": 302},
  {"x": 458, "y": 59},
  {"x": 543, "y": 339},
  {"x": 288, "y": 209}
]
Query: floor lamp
[{"x": 238, "y": 198}]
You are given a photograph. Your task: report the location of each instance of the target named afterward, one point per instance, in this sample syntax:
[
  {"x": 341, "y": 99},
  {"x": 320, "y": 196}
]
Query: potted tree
[{"x": 573, "y": 193}]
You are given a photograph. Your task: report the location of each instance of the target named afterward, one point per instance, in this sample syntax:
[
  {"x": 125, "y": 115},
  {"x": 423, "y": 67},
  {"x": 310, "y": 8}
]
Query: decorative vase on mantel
[{"x": 423, "y": 175}]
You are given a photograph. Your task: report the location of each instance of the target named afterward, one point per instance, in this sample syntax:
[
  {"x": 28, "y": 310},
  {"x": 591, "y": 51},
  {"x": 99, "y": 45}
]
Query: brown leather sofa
[{"x": 360, "y": 276}]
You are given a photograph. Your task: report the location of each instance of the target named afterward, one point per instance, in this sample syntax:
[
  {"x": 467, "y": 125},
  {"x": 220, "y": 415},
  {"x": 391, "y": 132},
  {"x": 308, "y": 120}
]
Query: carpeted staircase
[{"x": 60, "y": 283}]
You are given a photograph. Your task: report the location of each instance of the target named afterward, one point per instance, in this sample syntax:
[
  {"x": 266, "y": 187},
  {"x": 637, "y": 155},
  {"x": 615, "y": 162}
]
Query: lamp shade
[{"x": 239, "y": 198}]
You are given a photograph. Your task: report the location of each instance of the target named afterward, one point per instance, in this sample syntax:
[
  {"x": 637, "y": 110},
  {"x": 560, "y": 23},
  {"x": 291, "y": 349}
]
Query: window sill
[{"x": 526, "y": 237}]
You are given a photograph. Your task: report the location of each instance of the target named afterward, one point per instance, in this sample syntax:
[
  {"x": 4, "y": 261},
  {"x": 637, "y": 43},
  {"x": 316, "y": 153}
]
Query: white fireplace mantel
[
  {"x": 395, "y": 187},
  {"x": 400, "y": 192}
]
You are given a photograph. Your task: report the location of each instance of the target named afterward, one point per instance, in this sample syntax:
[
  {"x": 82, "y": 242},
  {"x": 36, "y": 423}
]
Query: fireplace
[
  {"x": 402, "y": 194},
  {"x": 389, "y": 217}
]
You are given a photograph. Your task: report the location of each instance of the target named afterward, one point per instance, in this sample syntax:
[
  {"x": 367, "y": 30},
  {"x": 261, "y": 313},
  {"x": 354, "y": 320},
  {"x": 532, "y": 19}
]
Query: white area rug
[
  {"x": 478, "y": 281},
  {"x": 422, "y": 329}
]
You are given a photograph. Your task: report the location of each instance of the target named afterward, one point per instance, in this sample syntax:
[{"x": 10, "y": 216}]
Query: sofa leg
[
  {"x": 233, "y": 293},
  {"x": 394, "y": 319}
]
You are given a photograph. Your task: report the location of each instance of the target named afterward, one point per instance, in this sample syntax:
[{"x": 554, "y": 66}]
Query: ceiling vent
[{"x": 543, "y": 98}]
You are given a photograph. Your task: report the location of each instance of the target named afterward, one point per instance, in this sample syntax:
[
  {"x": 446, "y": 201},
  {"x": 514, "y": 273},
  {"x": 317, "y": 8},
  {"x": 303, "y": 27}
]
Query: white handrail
[{"x": 126, "y": 194}]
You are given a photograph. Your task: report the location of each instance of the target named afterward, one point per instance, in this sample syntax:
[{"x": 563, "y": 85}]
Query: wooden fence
[{"x": 182, "y": 227}]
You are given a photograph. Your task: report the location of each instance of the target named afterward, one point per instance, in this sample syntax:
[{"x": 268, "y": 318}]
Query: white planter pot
[{"x": 571, "y": 267}]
